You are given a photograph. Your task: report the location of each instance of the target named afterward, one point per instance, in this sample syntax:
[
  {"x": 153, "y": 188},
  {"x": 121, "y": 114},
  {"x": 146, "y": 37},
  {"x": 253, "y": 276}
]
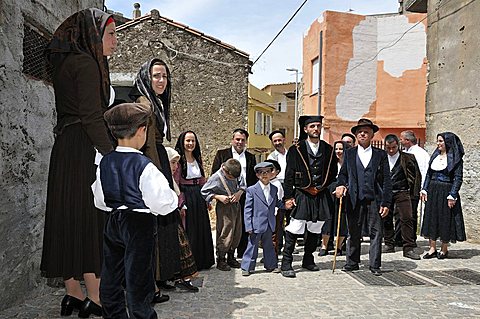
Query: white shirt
[
  {"x": 193, "y": 170},
  {"x": 243, "y": 161},
  {"x": 266, "y": 191},
  {"x": 422, "y": 158},
  {"x": 282, "y": 160},
  {"x": 365, "y": 155},
  {"x": 439, "y": 163},
  {"x": 156, "y": 193},
  {"x": 392, "y": 160},
  {"x": 313, "y": 147}
]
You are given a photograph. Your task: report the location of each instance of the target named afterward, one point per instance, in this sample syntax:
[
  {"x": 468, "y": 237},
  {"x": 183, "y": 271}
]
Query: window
[
  {"x": 282, "y": 106},
  {"x": 315, "y": 74},
  {"x": 268, "y": 124},
  {"x": 258, "y": 122},
  {"x": 35, "y": 64}
]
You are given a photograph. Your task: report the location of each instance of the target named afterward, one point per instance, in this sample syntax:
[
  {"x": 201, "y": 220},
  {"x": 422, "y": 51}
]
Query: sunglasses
[{"x": 263, "y": 172}]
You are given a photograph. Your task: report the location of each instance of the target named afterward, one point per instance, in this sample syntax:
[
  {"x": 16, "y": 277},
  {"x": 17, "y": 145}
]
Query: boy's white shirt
[
  {"x": 156, "y": 193},
  {"x": 280, "y": 192}
]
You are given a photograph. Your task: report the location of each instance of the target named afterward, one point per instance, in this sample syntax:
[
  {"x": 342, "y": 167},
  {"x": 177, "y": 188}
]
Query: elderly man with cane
[{"x": 366, "y": 171}]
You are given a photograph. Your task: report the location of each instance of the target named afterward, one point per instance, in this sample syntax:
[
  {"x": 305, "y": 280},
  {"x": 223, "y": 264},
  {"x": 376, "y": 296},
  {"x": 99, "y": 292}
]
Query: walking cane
[
  {"x": 337, "y": 239},
  {"x": 421, "y": 216}
]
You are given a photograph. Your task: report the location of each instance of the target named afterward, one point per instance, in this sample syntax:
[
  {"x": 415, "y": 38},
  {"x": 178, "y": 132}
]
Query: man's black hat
[
  {"x": 275, "y": 132},
  {"x": 304, "y": 120},
  {"x": 364, "y": 122},
  {"x": 241, "y": 130}
]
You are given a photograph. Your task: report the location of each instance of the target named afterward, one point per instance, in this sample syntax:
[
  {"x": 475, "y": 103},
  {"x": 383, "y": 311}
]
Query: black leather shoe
[
  {"x": 376, "y": 271},
  {"x": 233, "y": 263},
  {"x": 349, "y": 268},
  {"x": 410, "y": 254},
  {"x": 323, "y": 252},
  {"x": 430, "y": 256},
  {"x": 442, "y": 255},
  {"x": 186, "y": 285},
  {"x": 69, "y": 304},
  {"x": 388, "y": 249},
  {"x": 311, "y": 267},
  {"x": 159, "y": 297},
  {"x": 89, "y": 308},
  {"x": 288, "y": 273},
  {"x": 164, "y": 285}
]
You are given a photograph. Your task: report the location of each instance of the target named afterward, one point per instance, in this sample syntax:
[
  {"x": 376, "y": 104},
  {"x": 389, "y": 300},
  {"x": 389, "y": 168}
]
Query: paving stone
[{"x": 321, "y": 294}]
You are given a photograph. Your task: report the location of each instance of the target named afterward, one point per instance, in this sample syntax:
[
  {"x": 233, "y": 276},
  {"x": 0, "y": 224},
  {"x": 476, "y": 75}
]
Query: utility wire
[{"x": 279, "y": 32}]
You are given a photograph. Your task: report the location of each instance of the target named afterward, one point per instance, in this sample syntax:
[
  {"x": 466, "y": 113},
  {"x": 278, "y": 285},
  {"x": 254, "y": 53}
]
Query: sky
[{"x": 250, "y": 25}]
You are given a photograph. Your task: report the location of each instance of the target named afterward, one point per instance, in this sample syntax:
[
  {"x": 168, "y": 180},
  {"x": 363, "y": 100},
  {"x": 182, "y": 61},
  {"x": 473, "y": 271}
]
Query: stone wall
[
  {"x": 26, "y": 123},
  {"x": 209, "y": 81},
  {"x": 454, "y": 91}
]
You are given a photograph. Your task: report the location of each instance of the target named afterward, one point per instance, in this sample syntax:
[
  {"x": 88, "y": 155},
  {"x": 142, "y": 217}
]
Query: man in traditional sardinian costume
[{"x": 311, "y": 167}]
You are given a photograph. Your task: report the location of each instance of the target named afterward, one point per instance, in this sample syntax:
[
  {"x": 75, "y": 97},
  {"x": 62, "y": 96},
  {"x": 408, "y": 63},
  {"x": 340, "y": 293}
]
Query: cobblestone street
[{"x": 431, "y": 291}]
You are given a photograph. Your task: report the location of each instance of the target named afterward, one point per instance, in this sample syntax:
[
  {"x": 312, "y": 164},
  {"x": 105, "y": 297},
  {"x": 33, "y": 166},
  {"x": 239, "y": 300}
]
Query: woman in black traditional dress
[
  {"x": 72, "y": 241},
  {"x": 443, "y": 217},
  {"x": 154, "y": 84},
  {"x": 191, "y": 177}
]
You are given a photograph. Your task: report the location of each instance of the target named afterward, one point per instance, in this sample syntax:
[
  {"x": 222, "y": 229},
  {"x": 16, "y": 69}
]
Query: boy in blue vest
[{"x": 132, "y": 191}]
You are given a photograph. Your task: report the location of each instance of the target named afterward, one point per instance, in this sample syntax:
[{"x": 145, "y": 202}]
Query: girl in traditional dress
[{"x": 191, "y": 177}]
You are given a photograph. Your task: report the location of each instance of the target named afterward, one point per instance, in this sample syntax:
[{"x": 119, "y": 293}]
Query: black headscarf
[
  {"x": 161, "y": 103},
  {"x": 82, "y": 32},
  {"x": 454, "y": 149},
  {"x": 197, "y": 154}
]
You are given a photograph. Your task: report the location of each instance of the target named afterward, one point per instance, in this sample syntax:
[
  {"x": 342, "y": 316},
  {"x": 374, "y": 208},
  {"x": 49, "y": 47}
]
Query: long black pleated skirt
[
  {"x": 439, "y": 221},
  {"x": 73, "y": 233},
  {"x": 198, "y": 227}
]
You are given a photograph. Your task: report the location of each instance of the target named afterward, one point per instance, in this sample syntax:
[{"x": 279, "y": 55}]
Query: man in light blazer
[
  {"x": 247, "y": 160},
  {"x": 259, "y": 216},
  {"x": 366, "y": 172}
]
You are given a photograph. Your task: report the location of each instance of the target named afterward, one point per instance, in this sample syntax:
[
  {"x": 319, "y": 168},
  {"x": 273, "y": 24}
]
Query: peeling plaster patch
[
  {"x": 359, "y": 92},
  {"x": 409, "y": 52}
]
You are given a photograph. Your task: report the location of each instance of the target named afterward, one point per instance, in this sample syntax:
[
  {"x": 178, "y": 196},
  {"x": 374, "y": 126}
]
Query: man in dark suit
[
  {"x": 311, "y": 167},
  {"x": 406, "y": 179},
  {"x": 366, "y": 172},
  {"x": 247, "y": 160}
]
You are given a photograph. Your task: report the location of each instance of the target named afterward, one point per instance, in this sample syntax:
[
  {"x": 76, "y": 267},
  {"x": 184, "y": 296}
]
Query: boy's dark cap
[
  {"x": 364, "y": 122},
  {"x": 263, "y": 165},
  {"x": 275, "y": 164},
  {"x": 127, "y": 115},
  {"x": 270, "y": 136}
]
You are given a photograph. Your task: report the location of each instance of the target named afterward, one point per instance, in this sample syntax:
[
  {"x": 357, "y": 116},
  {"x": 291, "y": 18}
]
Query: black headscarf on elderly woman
[
  {"x": 160, "y": 103},
  {"x": 82, "y": 32},
  {"x": 454, "y": 149}
]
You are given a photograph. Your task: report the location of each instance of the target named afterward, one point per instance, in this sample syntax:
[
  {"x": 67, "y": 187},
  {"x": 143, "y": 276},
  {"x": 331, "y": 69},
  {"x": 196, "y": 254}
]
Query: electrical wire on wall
[{"x": 191, "y": 56}]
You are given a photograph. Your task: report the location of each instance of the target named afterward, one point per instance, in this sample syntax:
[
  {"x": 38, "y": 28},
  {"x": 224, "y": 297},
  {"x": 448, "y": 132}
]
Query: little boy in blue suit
[{"x": 259, "y": 213}]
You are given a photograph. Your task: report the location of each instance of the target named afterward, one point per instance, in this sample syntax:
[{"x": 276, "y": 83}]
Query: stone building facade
[
  {"x": 353, "y": 68},
  {"x": 27, "y": 118},
  {"x": 209, "y": 77},
  {"x": 453, "y": 91}
]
